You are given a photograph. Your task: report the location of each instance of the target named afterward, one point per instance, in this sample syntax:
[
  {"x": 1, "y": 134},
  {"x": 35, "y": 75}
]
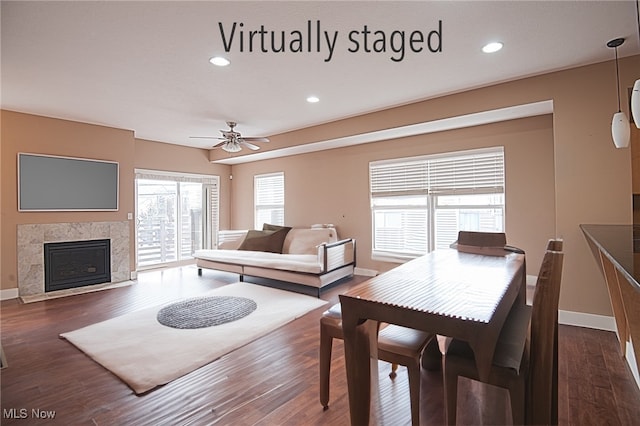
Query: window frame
[
  {"x": 430, "y": 177},
  {"x": 210, "y": 209},
  {"x": 278, "y": 203}
]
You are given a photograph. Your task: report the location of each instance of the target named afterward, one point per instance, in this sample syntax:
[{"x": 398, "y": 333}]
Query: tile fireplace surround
[{"x": 32, "y": 237}]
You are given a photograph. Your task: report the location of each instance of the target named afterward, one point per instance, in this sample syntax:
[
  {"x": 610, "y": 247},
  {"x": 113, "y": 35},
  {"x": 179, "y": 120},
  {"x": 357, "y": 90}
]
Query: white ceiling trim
[{"x": 459, "y": 122}]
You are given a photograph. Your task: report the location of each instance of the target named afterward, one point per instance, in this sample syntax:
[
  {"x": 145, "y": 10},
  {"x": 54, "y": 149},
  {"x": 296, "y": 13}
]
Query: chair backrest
[
  {"x": 482, "y": 239},
  {"x": 489, "y": 243},
  {"x": 544, "y": 321},
  {"x": 555, "y": 244}
]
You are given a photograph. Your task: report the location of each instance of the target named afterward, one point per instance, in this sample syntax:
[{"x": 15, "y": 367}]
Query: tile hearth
[{"x": 32, "y": 237}]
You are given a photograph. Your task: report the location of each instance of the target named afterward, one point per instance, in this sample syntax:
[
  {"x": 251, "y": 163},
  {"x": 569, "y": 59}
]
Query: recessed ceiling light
[
  {"x": 313, "y": 99},
  {"x": 219, "y": 61},
  {"x": 492, "y": 47}
]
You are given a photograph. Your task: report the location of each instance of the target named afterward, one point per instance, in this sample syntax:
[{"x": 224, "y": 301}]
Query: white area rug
[{"x": 146, "y": 354}]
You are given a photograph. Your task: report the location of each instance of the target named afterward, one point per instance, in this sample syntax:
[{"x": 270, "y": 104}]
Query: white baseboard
[
  {"x": 365, "y": 272},
  {"x": 579, "y": 319},
  {"x": 10, "y": 293},
  {"x": 631, "y": 360}
]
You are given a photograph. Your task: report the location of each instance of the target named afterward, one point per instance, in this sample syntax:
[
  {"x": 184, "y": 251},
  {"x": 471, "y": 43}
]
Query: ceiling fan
[{"x": 232, "y": 141}]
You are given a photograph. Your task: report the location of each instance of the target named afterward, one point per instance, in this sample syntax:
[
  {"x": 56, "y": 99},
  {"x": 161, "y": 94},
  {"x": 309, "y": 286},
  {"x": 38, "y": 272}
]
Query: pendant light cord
[
  {"x": 618, "y": 79},
  {"x": 638, "y": 18}
]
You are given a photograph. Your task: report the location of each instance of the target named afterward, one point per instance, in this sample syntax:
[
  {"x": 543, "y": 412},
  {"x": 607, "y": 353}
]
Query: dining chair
[
  {"x": 396, "y": 345},
  {"x": 525, "y": 357},
  {"x": 482, "y": 239},
  {"x": 480, "y": 242},
  {"x": 554, "y": 245}
]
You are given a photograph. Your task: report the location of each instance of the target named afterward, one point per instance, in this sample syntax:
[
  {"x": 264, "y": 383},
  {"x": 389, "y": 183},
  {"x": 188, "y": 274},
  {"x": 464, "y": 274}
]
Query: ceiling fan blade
[
  {"x": 249, "y": 145},
  {"x": 232, "y": 141}
]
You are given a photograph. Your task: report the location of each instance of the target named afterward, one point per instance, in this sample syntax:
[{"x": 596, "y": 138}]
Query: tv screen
[{"x": 50, "y": 183}]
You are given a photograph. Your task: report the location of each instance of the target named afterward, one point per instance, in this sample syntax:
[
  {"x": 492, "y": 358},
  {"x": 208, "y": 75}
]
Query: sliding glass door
[
  {"x": 157, "y": 222},
  {"x": 175, "y": 215}
]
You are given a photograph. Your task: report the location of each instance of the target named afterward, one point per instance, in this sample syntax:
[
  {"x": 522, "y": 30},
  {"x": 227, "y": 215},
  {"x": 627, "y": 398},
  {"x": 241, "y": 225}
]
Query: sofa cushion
[
  {"x": 305, "y": 263},
  {"x": 269, "y": 241},
  {"x": 307, "y": 240}
]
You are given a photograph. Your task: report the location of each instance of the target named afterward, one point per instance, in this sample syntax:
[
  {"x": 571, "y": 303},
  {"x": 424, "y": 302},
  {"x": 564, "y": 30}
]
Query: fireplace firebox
[{"x": 73, "y": 264}]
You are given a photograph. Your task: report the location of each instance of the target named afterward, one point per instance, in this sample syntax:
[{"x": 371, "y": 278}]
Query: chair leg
[
  {"x": 394, "y": 368},
  {"x": 414, "y": 371},
  {"x": 517, "y": 395},
  {"x": 326, "y": 343},
  {"x": 554, "y": 381},
  {"x": 431, "y": 356},
  {"x": 450, "y": 394}
]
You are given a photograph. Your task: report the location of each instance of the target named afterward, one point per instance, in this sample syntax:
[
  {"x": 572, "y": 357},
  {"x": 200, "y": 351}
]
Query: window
[
  {"x": 420, "y": 203},
  {"x": 176, "y": 214},
  {"x": 269, "y": 199}
]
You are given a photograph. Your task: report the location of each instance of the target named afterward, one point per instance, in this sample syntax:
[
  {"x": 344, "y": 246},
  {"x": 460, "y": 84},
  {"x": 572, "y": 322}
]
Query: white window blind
[
  {"x": 269, "y": 199},
  {"x": 478, "y": 171},
  {"x": 176, "y": 177},
  {"x": 420, "y": 203},
  {"x": 211, "y": 219}
]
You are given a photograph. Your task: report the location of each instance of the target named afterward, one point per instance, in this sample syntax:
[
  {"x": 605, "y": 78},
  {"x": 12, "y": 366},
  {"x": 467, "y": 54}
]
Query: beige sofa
[{"x": 310, "y": 257}]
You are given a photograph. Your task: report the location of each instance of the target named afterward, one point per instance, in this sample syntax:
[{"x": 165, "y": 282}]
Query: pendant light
[
  {"x": 635, "y": 94},
  {"x": 635, "y": 103},
  {"x": 620, "y": 130}
]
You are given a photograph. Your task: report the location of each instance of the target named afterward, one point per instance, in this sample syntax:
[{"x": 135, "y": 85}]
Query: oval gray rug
[{"x": 205, "y": 311}]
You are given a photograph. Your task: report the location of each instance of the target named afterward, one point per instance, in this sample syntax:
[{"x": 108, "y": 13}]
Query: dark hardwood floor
[{"x": 271, "y": 381}]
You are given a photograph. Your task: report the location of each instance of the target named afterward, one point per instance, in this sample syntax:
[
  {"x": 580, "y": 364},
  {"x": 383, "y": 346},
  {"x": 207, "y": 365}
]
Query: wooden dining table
[{"x": 447, "y": 292}]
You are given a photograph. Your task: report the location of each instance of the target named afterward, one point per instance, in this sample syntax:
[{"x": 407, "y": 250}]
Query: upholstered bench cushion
[
  {"x": 307, "y": 263},
  {"x": 401, "y": 340}
]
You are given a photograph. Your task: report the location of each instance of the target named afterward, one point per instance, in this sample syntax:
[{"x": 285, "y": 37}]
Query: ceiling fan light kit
[{"x": 231, "y": 147}]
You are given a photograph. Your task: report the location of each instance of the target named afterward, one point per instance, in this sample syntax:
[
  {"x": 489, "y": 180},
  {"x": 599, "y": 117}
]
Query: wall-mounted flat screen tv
[{"x": 51, "y": 183}]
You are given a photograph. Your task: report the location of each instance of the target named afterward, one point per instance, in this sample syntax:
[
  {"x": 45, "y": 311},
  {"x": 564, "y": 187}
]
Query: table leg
[
  {"x": 484, "y": 357},
  {"x": 357, "y": 357},
  {"x": 484, "y": 344}
]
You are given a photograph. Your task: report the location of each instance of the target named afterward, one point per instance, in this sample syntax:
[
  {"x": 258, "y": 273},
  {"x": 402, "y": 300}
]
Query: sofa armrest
[{"x": 337, "y": 254}]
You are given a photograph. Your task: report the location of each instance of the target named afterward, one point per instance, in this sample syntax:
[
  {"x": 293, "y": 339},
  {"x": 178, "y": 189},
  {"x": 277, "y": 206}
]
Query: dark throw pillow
[
  {"x": 281, "y": 231},
  {"x": 270, "y": 227},
  {"x": 266, "y": 240}
]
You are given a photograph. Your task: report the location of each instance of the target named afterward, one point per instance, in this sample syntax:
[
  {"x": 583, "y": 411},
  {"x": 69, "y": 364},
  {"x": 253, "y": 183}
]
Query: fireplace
[{"x": 73, "y": 264}]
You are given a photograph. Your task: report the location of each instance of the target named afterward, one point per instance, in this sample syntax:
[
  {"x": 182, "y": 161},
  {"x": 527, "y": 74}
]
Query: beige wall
[
  {"x": 589, "y": 181},
  {"x": 41, "y": 135},
  {"x": 333, "y": 186},
  {"x": 173, "y": 158},
  {"x": 592, "y": 179}
]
